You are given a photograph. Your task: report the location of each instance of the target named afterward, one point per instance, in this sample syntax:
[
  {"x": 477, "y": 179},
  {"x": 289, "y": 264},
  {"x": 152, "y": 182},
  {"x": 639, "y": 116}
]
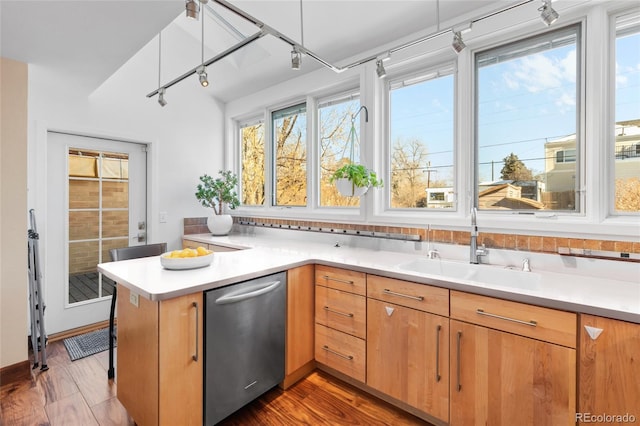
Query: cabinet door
[
  {"x": 408, "y": 356},
  {"x": 498, "y": 378},
  {"x": 300, "y": 327},
  {"x": 609, "y": 367},
  {"x": 181, "y": 365}
]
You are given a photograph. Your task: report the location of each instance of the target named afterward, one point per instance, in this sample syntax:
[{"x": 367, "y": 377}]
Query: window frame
[
  {"x": 273, "y": 159},
  {"x": 419, "y": 72},
  {"x": 610, "y": 166},
  {"x": 352, "y": 93},
  {"x": 580, "y": 145},
  {"x": 251, "y": 120}
]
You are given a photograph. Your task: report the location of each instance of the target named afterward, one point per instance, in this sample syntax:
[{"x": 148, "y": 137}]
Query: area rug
[{"x": 87, "y": 344}]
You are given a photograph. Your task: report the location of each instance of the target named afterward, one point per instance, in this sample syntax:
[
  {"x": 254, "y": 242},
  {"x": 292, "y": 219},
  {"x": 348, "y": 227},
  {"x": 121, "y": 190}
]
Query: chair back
[{"x": 136, "y": 252}]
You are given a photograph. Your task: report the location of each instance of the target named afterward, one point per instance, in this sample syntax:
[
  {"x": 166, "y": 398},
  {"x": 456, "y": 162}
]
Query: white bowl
[{"x": 185, "y": 262}]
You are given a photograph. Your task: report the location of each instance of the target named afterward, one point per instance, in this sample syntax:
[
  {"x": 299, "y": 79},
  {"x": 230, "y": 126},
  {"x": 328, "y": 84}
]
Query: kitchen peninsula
[{"x": 158, "y": 320}]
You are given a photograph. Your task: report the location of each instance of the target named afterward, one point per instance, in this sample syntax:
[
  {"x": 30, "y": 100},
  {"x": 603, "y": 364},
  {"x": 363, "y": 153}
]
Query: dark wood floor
[{"x": 78, "y": 393}]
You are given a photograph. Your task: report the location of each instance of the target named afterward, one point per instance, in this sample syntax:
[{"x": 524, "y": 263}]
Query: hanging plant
[{"x": 354, "y": 179}]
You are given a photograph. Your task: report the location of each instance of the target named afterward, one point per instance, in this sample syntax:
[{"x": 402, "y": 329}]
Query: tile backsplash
[{"x": 530, "y": 243}]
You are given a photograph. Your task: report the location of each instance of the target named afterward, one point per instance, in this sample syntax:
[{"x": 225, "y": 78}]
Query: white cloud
[{"x": 538, "y": 73}]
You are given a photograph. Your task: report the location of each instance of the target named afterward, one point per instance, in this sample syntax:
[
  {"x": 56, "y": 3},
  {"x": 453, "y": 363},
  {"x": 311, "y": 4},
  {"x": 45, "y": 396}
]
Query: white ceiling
[{"x": 93, "y": 39}]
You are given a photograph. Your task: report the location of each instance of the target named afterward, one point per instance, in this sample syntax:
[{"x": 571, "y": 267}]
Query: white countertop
[{"x": 263, "y": 255}]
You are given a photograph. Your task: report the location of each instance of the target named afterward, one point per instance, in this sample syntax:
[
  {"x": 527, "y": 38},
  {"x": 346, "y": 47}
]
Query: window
[
  {"x": 627, "y": 114},
  {"x": 421, "y": 137},
  {"x": 252, "y": 162},
  {"x": 566, "y": 156},
  {"x": 527, "y": 115},
  {"x": 290, "y": 160},
  {"x": 338, "y": 143}
]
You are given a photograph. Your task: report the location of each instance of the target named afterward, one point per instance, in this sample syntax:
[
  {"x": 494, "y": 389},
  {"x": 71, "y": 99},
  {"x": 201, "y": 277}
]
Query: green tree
[
  {"x": 514, "y": 169},
  {"x": 253, "y": 165}
]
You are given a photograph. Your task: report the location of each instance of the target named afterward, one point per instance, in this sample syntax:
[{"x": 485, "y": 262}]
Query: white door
[{"x": 96, "y": 201}]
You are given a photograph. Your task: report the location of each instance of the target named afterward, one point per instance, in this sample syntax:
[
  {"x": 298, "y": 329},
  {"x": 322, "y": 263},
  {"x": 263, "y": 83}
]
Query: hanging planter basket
[
  {"x": 347, "y": 188},
  {"x": 352, "y": 179}
]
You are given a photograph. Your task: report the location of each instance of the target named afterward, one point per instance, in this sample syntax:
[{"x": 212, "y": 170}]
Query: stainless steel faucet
[{"x": 475, "y": 252}]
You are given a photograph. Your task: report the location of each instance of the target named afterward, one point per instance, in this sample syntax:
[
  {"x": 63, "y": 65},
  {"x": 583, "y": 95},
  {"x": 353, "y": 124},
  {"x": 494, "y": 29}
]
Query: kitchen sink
[{"x": 488, "y": 274}]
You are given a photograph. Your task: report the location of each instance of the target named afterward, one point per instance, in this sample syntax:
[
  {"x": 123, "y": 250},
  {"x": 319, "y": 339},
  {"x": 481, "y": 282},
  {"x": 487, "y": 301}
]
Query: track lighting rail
[{"x": 268, "y": 30}]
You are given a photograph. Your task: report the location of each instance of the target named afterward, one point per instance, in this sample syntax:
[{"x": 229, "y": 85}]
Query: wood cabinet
[
  {"x": 498, "y": 377},
  {"x": 160, "y": 363},
  {"x": 340, "y": 316},
  {"x": 299, "y": 357},
  {"x": 408, "y": 347},
  {"x": 187, "y": 243},
  {"x": 609, "y": 380}
]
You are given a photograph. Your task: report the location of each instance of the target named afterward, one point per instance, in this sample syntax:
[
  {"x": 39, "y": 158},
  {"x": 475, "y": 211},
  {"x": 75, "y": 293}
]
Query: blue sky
[{"x": 522, "y": 102}]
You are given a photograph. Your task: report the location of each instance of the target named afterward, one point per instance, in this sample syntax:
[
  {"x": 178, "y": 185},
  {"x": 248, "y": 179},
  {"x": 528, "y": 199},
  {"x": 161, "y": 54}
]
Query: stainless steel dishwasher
[{"x": 244, "y": 343}]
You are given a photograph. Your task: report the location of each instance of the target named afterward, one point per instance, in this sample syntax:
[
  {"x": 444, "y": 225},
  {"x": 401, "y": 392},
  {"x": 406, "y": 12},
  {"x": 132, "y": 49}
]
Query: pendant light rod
[
  {"x": 268, "y": 30},
  {"x": 216, "y": 58}
]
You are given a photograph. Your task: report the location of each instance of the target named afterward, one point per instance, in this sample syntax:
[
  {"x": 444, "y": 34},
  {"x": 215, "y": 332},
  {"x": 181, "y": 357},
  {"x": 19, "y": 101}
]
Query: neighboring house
[
  {"x": 560, "y": 154},
  {"x": 506, "y": 196},
  {"x": 440, "y": 198}
]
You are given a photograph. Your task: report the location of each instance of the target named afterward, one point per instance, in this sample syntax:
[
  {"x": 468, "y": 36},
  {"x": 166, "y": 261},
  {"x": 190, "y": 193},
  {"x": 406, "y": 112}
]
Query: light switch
[{"x": 163, "y": 217}]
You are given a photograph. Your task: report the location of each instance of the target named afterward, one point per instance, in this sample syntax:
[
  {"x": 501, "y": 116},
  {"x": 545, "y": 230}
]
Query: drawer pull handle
[
  {"x": 408, "y": 296},
  {"x": 438, "y": 328},
  {"x": 344, "y": 314},
  {"x": 531, "y": 323},
  {"x": 458, "y": 349},
  {"x": 327, "y": 277},
  {"x": 326, "y": 348},
  {"x": 195, "y": 305}
]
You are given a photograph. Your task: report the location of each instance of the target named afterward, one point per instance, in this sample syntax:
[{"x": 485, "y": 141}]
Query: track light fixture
[
  {"x": 547, "y": 13},
  {"x": 161, "y": 99},
  {"x": 296, "y": 59},
  {"x": 457, "y": 43},
  {"x": 192, "y": 9},
  {"x": 380, "y": 69},
  {"x": 202, "y": 76},
  {"x": 202, "y": 70}
]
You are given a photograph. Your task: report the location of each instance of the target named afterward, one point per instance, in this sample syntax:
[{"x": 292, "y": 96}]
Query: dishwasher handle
[{"x": 244, "y": 296}]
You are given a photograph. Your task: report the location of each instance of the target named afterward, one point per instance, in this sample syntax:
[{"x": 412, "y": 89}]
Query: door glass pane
[
  {"x": 84, "y": 194},
  {"x": 98, "y": 214},
  {"x": 115, "y": 194},
  {"x": 115, "y": 223},
  {"x": 84, "y": 280},
  {"x": 83, "y": 225}
]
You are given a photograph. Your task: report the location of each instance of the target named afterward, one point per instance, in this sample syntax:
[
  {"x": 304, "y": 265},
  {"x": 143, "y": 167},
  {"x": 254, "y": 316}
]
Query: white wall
[
  {"x": 185, "y": 137},
  {"x": 13, "y": 213}
]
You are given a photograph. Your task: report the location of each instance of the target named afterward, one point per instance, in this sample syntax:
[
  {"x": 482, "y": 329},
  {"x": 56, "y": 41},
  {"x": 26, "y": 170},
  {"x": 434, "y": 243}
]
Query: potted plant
[
  {"x": 215, "y": 194},
  {"x": 353, "y": 180}
]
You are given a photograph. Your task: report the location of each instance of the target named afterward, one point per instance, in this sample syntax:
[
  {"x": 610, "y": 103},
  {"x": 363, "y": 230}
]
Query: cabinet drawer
[
  {"x": 544, "y": 324},
  {"x": 412, "y": 295},
  {"x": 341, "y": 352},
  {"x": 341, "y": 279},
  {"x": 343, "y": 311}
]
